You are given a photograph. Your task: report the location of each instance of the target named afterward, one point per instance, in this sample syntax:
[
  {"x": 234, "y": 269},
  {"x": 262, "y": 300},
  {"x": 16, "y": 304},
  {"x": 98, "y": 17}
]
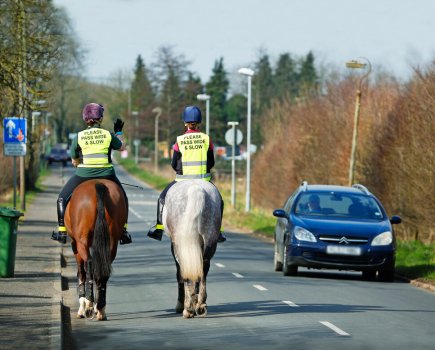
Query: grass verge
[{"x": 416, "y": 260}]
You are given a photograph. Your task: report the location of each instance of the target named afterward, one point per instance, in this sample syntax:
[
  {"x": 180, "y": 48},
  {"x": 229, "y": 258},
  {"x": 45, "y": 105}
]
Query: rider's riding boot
[
  {"x": 156, "y": 232},
  {"x": 125, "y": 238},
  {"x": 221, "y": 237},
  {"x": 60, "y": 235}
]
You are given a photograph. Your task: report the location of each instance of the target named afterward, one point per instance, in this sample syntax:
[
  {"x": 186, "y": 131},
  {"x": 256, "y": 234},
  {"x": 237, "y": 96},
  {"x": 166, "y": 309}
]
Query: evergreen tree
[
  {"x": 217, "y": 87},
  {"x": 236, "y": 109},
  {"x": 286, "y": 79},
  {"x": 236, "y": 112},
  {"x": 192, "y": 88},
  {"x": 142, "y": 102},
  {"x": 142, "y": 94},
  {"x": 308, "y": 75},
  {"x": 262, "y": 93},
  {"x": 262, "y": 85}
]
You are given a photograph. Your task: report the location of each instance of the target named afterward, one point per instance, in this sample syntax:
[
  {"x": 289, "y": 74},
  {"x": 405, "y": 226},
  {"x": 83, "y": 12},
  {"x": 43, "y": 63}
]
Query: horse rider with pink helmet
[{"x": 91, "y": 155}]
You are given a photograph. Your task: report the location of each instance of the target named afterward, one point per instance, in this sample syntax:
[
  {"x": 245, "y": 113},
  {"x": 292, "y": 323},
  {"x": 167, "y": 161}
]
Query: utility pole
[{"x": 22, "y": 92}]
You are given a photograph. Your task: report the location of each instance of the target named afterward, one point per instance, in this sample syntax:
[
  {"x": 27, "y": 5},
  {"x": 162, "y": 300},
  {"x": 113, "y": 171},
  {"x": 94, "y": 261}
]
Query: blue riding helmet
[{"x": 192, "y": 114}]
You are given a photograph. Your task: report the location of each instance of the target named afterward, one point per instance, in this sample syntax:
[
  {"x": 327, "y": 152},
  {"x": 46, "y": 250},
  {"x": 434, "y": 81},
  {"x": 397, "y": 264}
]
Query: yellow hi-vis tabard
[
  {"x": 95, "y": 144},
  {"x": 193, "y": 148}
]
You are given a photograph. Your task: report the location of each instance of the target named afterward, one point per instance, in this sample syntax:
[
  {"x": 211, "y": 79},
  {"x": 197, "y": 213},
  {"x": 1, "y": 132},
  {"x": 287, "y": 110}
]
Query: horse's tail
[
  {"x": 188, "y": 238},
  {"x": 101, "y": 257}
]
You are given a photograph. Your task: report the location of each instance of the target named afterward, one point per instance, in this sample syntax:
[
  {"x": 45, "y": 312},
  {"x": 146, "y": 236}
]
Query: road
[{"x": 249, "y": 305}]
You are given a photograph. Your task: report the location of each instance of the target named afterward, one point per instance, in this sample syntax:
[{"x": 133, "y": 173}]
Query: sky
[{"x": 394, "y": 35}]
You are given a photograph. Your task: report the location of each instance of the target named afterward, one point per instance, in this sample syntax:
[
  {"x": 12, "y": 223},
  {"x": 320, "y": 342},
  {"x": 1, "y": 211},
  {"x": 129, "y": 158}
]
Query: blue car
[{"x": 335, "y": 227}]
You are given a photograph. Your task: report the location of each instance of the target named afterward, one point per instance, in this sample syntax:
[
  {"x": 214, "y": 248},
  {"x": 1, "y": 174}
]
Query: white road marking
[
  {"x": 334, "y": 328},
  {"x": 290, "y": 303},
  {"x": 136, "y": 213},
  {"x": 259, "y": 287},
  {"x": 238, "y": 275},
  {"x": 138, "y": 202},
  {"x": 219, "y": 265}
]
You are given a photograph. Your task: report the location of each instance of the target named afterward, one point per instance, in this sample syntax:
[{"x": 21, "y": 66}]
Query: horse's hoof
[
  {"x": 90, "y": 313},
  {"x": 179, "y": 307},
  {"x": 201, "y": 311},
  {"x": 80, "y": 316},
  {"x": 101, "y": 315},
  {"x": 187, "y": 314}
]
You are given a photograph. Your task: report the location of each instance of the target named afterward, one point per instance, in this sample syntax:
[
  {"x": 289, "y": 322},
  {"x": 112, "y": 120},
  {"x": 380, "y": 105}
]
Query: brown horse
[{"x": 94, "y": 219}]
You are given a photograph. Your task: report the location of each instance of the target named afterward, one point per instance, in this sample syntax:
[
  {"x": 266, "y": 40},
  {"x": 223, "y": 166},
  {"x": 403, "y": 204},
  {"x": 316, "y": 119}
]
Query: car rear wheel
[
  {"x": 276, "y": 263},
  {"x": 288, "y": 270}
]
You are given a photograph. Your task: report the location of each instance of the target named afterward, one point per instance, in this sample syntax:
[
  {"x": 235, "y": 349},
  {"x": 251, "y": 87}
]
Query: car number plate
[{"x": 339, "y": 250}]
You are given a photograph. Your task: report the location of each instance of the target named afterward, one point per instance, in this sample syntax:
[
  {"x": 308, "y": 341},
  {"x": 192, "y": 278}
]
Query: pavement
[
  {"x": 31, "y": 300},
  {"x": 31, "y": 303}
]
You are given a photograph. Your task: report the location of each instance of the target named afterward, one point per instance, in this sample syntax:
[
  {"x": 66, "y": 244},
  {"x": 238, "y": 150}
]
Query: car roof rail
[
  {"x": 361, "y": 188},
  {"x": 304, "y": 185}
]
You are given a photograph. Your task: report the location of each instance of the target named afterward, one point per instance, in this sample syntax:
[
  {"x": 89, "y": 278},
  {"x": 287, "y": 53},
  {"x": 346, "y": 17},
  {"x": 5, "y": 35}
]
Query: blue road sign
[{"x": 15, "y": 130}]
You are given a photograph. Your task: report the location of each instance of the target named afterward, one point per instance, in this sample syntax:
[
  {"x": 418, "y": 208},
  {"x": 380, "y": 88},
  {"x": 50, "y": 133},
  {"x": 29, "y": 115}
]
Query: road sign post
[
  {"x": 233, "y": 137},
  {"x": 15, "y": 137}
]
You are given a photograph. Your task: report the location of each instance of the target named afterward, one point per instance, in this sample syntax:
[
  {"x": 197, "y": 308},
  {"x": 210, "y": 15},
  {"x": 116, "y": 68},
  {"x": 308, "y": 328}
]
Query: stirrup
[
  {"x": 59, "y": 236},
  {"x": 125, "y": 238},
  {"x": 155, "y": 233}
]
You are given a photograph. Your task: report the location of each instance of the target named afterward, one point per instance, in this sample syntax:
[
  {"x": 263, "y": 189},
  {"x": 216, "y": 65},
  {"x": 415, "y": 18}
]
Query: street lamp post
[
  {"x": 249, "y": 73},
  {"x": 136, "y": 141},
  {"x": 355, "y": 64},
  {"x": 158, "y": 112},
  {"x": 206, "y": 98}
]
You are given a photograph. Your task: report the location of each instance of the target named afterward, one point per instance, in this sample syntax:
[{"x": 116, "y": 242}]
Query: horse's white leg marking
[
  {"x": 81, "y": 312},
  {"x": 89, "y": 308},
  {"x": 189, "y": 302}
]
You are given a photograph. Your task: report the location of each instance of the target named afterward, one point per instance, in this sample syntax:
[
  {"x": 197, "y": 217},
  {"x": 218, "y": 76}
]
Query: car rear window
[{"x": 338, "y": 205}]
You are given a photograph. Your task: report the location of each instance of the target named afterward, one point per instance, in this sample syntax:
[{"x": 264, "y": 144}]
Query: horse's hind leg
[
  {"x": 89, "y": 291},
  {"x": 180, "y": 300},
  {"x": 190, "y": 298},
  {"x": 81, "y": 279},
  {"x": 201, "y": 305},
  {"x": 100, "y": 300}
]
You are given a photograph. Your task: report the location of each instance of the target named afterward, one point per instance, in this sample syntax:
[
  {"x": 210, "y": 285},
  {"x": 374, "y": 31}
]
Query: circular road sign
[{"x": 229, "y": 136}]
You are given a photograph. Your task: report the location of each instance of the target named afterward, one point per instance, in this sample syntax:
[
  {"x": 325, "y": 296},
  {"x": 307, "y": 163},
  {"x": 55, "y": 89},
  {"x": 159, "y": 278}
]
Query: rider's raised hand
[{"x": 118, "y": 125}]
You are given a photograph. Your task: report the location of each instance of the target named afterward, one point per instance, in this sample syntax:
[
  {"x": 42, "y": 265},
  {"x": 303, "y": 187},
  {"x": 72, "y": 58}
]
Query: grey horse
[{"x": 192, "y": 220}]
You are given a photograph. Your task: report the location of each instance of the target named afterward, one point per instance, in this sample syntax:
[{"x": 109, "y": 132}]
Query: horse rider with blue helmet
[
  {"x": 193, "y": 158},
  {"x": 91, "y": 155}
]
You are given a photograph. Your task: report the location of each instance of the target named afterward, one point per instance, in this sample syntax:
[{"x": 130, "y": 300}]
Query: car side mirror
[
  {"x": 395, "y": 219},
  {"x": 280, "y": 213}
]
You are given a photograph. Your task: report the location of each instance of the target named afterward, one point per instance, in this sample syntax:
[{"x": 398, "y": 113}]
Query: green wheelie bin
[{"x": 8, "y": 240}]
